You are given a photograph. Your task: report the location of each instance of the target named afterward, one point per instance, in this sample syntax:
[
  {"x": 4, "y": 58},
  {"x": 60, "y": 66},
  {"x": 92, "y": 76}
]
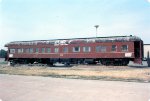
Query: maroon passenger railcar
[{"x": 116, "y": 50}]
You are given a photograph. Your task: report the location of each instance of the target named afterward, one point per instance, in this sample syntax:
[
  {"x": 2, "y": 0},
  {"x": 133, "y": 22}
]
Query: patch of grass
[
  {"x": 89, "y": 73},
  {"x": 4, "y": 62}
]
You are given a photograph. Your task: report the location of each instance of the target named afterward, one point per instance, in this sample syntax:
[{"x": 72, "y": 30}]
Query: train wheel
[
  {"x": 125, "y": 62},
  {"x": 67, "y": 64},
  {"x": 51, "y": 64},
  {"x": 12, "y": 63}
]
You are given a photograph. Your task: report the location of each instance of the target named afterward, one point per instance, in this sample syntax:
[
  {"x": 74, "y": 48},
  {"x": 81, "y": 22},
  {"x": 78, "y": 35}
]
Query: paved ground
[{"x": 32, "y": 88}]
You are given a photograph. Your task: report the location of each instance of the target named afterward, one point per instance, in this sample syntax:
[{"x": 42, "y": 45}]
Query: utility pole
[
  {"x": 148, "y": 59},
  {"x": 96, "y": 26}
]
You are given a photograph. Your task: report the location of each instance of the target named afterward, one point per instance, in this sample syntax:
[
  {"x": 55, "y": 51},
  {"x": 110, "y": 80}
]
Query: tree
[{"x": 3, "y": 53}]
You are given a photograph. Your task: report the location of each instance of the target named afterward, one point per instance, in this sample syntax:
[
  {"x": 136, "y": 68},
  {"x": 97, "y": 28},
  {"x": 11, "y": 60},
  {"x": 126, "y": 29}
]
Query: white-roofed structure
[{"x": 146, "y": 49}]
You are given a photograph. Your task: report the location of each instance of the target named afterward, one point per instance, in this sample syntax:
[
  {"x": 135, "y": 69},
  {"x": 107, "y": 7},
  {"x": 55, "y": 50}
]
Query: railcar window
[
  {"x": 101, "y": 48},
  {"x": 48, "y": 50},
  {"x": 31, "y": 50},
  {"x": 56, "y": 50},
  {"x": 65, "y": 49},
  {"x": 76, "y": 49},
  {"x": 37, "y": 50},
  {"x": 86, "y": 49},
  {"x": 27, "y": 50},
  {"x": 114, "y": 48},
  {"x": 20, "y": 50},
  {"x": 12, "y": 50},
  {"x": 124, "y": 48},
  {"x": 97, "y": 48},
  {"x": 43, "y": 50}
]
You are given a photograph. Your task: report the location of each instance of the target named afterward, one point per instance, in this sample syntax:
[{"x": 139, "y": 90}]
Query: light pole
[{"x": 96, "y": 26}]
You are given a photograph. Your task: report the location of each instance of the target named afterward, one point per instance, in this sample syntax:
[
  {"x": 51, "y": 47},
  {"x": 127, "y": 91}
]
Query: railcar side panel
[{"x": 70, "y": 54}]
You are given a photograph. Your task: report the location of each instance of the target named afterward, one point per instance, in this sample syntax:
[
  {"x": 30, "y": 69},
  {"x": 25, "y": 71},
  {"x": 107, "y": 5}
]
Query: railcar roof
[{"x": 77, "y": 40}]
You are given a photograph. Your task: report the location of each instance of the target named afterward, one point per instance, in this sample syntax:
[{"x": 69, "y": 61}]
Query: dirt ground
[
  {"x": 37, "y": 88},
  {"x": 91, "y": 72}
]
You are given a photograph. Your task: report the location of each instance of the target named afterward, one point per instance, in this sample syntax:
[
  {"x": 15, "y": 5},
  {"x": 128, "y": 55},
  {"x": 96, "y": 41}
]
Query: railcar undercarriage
[{"x": 67, "y": 62}]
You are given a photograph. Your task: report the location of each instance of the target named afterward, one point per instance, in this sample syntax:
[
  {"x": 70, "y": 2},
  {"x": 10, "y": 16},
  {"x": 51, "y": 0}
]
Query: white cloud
[{"x": 148, "y": 1}]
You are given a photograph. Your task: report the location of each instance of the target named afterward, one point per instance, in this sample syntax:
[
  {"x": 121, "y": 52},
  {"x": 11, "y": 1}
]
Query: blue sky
[{"x": 22, "y": 20}]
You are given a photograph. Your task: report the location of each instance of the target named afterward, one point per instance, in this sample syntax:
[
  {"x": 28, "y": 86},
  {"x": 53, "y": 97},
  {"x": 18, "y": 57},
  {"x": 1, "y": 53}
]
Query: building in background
[{"x": 146, "y": 49}]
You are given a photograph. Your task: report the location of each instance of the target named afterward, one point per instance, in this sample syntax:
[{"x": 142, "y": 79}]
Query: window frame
[
  {"x": 101, "y": 48},
  {"x": 86, "y": 49},
  {"x": 37, "y": 50},
  {"x": 20, "y": 50},
  {"x": 74, "y": 50},
  {"x": 56, "y": 50},
  {"x": 48, "y": 50},
  {"x": 43, "y": 50},
  {"x": 27, "y": 50},
  {"x": 114, "y": 49},
  {"x": 124, "y": 49},
  {"x": 12, "y": 50},
  {"x": 65, "y": 49},
  {"x": 31, "y": 50}
]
